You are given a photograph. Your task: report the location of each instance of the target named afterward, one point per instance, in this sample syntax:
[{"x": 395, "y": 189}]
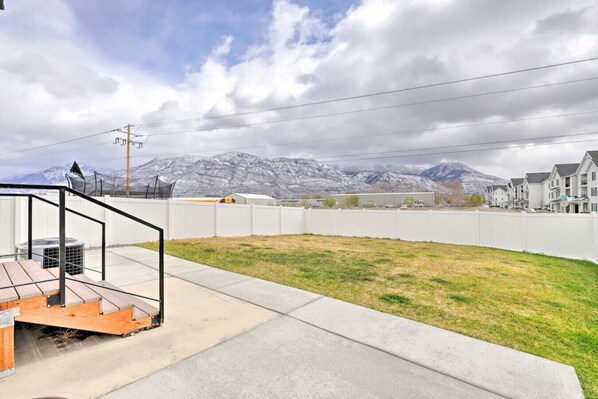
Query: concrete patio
[{"x": 230, "y": 335}]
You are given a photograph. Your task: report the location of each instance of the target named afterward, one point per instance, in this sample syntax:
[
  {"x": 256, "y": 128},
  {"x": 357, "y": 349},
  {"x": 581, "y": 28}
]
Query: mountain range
[{"x": 282, "y": 177}]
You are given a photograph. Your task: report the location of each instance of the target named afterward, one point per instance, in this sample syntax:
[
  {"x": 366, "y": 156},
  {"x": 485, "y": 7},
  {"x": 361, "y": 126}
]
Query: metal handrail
[
  {"x": 62, "y": 209},
  {"x": 30, "y": 211}
]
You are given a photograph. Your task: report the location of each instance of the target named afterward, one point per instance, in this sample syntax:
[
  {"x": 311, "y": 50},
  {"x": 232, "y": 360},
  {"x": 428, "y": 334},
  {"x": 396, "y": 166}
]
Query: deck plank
[
  {"x": 80, "y": 289},
  {"x": 18, "y": 276},
  {"x": 111, "y": 302},
  {"x": 141, "y": 308},
  {"x": 6, "y": 294},
  {"x": 36, "y": 273}
]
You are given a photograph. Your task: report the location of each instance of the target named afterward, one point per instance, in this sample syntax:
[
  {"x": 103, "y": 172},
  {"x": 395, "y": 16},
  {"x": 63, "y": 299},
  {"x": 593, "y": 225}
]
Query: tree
[
  {"x": 329, "y": 202},
  {"x": 456, "y": 195},
  {"x": 352, "y": 201},
  {"x": 474, "y": 199},
  {"x": 409, "y": 201}
]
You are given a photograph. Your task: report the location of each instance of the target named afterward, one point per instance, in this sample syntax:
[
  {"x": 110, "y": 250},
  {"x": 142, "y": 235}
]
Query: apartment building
[
  {"x": 534, "y": 195},
  {"x": 587, "y": 173},
  {"x": 563, "y": 188},
  {"x": 497, "y": 196},
  {"x": 515, "y": 192}
]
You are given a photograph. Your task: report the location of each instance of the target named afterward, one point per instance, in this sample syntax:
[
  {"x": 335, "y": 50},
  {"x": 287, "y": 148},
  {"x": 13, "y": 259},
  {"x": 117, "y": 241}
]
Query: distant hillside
[
  {"x": 282, "y": 177},
  {"x": 472, "y": 180}
]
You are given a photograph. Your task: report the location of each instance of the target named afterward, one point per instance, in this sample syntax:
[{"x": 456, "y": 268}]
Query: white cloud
[{"x": 58, "y": 86}]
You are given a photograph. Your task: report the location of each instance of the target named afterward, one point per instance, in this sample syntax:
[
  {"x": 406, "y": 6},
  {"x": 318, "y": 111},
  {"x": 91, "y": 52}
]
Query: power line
[
  {"x": 403, "y": 132},
  {"x": 58, "y": 143},
  {"x": 372, "y": 94},
  {"x": 376, "y": 108},
  {"x": 463, "y": 151},
  {"x": 57, "y": 152},
  {"x": 316, "y": 102},
  {"x": 461, "y": 145}
]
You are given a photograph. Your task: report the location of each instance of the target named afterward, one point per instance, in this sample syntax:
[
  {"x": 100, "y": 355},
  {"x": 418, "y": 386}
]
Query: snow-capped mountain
[
  {"x": 53, "y": 175},
  {"x": 472, "y": 180},
  {"x": 281, "y": 177}
]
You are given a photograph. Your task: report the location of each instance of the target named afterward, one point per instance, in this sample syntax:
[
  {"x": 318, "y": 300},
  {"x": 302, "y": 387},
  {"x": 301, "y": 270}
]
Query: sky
[{"x": 191, "y": 76}]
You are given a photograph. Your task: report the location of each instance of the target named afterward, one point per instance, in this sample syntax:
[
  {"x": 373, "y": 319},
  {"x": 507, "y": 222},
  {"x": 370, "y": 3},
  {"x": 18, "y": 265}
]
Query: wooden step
[
  {"x": 78, "y": 288},
  {"x": 18, "y": 276},
  {"x": 36, "y": 273},
  {"x": 141, "y": 309},
  {"x": 111, "y": 301},
  {"x": 6, "y": 294}
]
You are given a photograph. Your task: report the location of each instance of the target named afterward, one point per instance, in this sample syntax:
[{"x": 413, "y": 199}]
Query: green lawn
[{"x": 538, "y": 304}]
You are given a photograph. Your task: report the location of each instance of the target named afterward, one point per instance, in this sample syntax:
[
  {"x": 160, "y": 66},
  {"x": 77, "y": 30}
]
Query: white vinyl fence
[{"x": 567, "y": 235}]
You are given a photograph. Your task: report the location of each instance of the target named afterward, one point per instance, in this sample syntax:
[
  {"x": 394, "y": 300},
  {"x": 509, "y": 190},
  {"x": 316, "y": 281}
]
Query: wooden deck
[{"x": 93, "y": 308}]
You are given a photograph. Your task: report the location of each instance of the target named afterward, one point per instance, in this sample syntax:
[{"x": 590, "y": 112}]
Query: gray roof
[
  {"x": 594, "y": 156},
  {"x": 496, "y": 187},
  {"x": 566, "y": 169},
  {"x": 537, "y": 177},
  {"x": 516, "y": 181}
]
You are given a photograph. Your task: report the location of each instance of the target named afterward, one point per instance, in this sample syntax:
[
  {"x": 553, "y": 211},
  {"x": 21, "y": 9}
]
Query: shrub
[
  {"x": 329, "y": 202},
  {"x": 352, "y": 201}
]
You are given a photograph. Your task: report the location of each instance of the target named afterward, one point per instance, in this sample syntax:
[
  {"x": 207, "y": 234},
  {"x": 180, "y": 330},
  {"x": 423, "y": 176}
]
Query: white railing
[{"x": 567, "y": 235}]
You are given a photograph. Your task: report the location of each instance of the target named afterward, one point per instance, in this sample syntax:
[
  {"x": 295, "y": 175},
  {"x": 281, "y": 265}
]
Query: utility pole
[
  {"x": 128, "y": 158},
  {"x": 128, "y": 140}
]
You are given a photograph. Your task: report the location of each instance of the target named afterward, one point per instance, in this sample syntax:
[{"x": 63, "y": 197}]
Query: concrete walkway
[{"x": 306, "y": 345}]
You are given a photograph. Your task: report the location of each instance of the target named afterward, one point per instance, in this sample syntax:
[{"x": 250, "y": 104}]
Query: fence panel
[
  {"x": 7, "y": 225},
  {"x": 501, "y": 230},
  {"x": 233, "y": 220},
  {"x": 562, "y": 235},
  {"x": 266, "y": 220},
  {"x": 413, "y": 225},
  {"x": 379, "y": 224},
  {"x": 292, "y": 220},
  {"x": 454, "y": 227},
  {"x": 191, "y": 220}
]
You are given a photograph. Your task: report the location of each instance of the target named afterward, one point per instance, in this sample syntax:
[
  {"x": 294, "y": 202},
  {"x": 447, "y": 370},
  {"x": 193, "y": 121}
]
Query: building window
[
  {"x": 594, "y": 191},
  {"x": 593, "y": 176},
  {"x": 594, "y": 207}
]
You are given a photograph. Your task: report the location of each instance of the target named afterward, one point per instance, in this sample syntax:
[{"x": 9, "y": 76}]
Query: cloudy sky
[{"x": 178, "y": 70}]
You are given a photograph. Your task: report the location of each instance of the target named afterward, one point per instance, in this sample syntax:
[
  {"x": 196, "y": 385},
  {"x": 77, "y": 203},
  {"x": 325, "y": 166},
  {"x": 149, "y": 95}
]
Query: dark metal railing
[{"x": 62, "y": 210}]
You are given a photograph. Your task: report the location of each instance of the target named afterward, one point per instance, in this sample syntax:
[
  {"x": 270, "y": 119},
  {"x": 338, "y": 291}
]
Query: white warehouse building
[{"x": 256, "y": 199}]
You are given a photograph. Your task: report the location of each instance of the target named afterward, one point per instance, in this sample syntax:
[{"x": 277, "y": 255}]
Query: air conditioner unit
[{"x": 46, "y": 253}]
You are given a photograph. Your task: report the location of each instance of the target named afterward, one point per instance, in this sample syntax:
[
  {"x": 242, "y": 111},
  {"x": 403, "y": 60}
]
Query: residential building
[
  {"x": 533, "y": 190},
  {"x": 587, "y": 181},
  {"x": 515, "y": 192},
  {"x": 497, "y": 196},
  {"x": 563, "y": 188}
]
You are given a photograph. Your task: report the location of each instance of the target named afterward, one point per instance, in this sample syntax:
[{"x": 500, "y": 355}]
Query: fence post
[
  {"x": 364, "y": 230},
  {"x": 397, "y": 223},
  {"x": 215, "y": 219},
  {"x": 594, "y": 235},
  {"x": 280, "y": 220},
  {"x": 304, "y": 218},
  {"x": 252, "y": 226},
  {"x": 338, "y": 222},
  {"x": 523, "y": 231},
  {"x": 170, "y": 214},
  {"x": 306, "y": 221},
  {"x": 477, "y": 227},
  {"x": 430, "y": 226}
]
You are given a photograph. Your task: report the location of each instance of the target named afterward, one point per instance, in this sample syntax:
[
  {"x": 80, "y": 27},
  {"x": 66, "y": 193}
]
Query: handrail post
[
  {"x": 103, "y": 251},
  {"x": 62, "y": 245},
  {"x": 161, "y": 255},
  {"x": 30, "y": 227}
]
